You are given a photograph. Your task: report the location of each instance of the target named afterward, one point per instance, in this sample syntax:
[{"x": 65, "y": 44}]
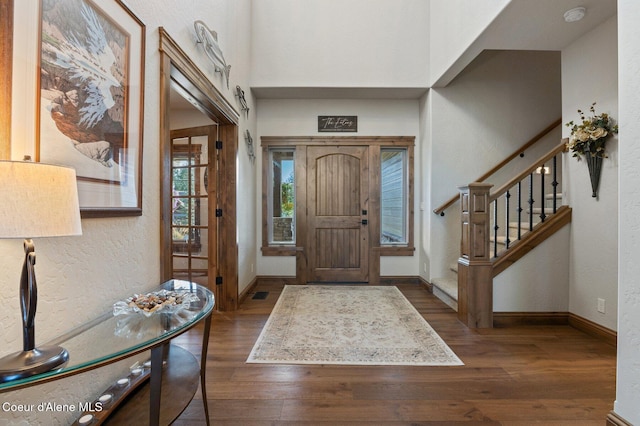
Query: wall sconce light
[
  {"x": 545, "y": 170},
  {"x": 38, "y": 200},
  {"x": 250, "y": 149},
  {"x": 243, "y": 102},
  {"x": 209, "y": 41}
]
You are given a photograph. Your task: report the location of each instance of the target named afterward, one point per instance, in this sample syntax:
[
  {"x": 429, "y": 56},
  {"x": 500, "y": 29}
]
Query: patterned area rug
[{"x": 351, "y": 325}]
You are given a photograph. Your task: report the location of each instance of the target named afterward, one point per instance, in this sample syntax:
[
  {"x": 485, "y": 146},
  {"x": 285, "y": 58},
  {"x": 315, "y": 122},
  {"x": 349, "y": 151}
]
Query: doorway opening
[
  {"x": 193, "y": 203},
  {"x": 198, "y": 183}
]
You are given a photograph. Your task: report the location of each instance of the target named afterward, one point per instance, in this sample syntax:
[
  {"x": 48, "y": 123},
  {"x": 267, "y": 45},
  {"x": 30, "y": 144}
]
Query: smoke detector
[{"x": 575, "y": 14}]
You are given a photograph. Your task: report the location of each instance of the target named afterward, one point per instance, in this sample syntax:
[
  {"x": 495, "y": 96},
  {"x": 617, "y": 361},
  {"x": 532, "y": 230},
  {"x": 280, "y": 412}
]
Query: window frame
[
  {"x": 270, "y": 197},
  {"x": 405, "y": 196}
]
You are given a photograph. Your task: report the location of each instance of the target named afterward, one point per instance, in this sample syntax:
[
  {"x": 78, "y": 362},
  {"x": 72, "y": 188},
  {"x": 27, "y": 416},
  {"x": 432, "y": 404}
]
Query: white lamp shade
[{"x": 38, "y": 200}]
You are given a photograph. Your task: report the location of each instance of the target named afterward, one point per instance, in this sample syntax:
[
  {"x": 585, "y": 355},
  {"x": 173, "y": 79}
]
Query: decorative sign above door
[{"x": 337, "y": 123}]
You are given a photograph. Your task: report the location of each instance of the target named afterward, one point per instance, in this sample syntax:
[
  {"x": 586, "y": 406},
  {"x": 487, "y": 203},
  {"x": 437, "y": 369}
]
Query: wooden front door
[{"x": 338, "y": 234}]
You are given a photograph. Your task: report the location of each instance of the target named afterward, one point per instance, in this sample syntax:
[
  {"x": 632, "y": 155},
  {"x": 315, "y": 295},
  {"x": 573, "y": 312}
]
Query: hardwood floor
[{"x": 522, "y": 375}]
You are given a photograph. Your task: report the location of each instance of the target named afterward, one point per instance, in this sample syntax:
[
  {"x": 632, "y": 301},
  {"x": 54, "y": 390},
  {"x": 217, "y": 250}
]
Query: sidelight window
[
  {"x": 393, "y": 196},
  {"x": 282, "y": 196}
]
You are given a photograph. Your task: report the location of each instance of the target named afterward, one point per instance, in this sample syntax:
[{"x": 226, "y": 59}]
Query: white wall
[
  {"x": 454, "y": 25},
  {"x": 527, "y": 286},
  {"x": 594, "y": 247},
  {"x": 336, "y": 43},
  {"x": 81, "y": 276},
  {"x": 494, "y": 106},
  {"x": 628, "y": 380},
  {"x": 296, "y": 117}
]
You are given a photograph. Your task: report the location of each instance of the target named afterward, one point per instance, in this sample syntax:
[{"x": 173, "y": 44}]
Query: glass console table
[{"x": 108, "y": 339}]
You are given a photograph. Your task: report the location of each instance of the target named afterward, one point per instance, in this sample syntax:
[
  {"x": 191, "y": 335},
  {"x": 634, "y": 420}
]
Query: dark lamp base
[{"x": 29, "y": 363}]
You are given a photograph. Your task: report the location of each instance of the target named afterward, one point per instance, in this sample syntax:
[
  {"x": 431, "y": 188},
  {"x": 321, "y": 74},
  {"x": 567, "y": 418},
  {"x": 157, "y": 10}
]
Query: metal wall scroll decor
[
  {"x": 250, "y": 149},
  {"x": 209, "y": 41},
  {"x": 243, "y": 102}
]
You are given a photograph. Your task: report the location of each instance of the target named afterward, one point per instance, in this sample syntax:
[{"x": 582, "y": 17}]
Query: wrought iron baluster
[
  {"x": 519, "y": 210},
  {"x": 506, "y": 215},
  {"x": 495, "y": 228},
  {"x": 543, "y": 216},
  {"x": 555, "y": 184},
  {"x": 531, "y": 201}
]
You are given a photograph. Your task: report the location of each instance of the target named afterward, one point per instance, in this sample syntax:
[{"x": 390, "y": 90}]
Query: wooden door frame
[
  {"x": 178, "y": 69},
  {"x": 6, "y": 81},
  {"x": 375, "y": 143}
]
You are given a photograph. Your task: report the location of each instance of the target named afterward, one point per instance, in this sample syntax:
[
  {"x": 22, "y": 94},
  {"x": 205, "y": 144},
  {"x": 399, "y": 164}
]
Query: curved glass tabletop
[{"x": 110, "y": 338}]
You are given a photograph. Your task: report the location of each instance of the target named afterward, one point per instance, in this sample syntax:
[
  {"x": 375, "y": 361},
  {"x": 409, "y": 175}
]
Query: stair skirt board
[
  {"x": 448, "y": 300},
  {"x": 446, "y": 289}
]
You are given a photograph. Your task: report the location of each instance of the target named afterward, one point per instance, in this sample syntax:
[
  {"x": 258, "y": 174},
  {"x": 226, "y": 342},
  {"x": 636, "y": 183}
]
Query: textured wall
[
  {"x": 594, "y": 227},
  {"x": 628, "y": 384},
  {"x": 451, "y": 37},
  {"x": 333, "y": 43}
]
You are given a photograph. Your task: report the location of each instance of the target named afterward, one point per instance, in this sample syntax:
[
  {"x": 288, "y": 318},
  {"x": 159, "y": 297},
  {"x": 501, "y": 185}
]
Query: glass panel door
[{"x": 193, "y": 245}]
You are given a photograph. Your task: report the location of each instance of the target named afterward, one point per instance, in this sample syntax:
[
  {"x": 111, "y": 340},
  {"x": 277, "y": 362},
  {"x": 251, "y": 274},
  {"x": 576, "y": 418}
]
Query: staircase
[
  {"x": 446, "y": 288},
  {"x": 498, "y": 228}
]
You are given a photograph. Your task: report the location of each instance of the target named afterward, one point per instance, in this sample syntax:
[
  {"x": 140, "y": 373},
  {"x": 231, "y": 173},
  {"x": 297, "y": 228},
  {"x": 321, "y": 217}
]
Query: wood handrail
[
  {"x": 440, "y": 210},
  {"x": 542, "y": 160}
]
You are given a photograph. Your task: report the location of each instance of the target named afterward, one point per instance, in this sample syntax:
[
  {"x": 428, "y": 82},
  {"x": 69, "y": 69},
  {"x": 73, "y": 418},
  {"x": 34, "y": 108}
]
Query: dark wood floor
[{"x": 524, "y": 375}]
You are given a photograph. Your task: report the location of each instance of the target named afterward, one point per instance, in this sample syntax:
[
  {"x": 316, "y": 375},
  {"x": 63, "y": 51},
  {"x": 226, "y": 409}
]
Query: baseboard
[
  {"x": 510, "y": 319},
  {"x": 388, "y": 280},
  {"x": 395, "y": 280},
  {"x": 593, "y": 329},
  {"x": 276, "y": 280},
  {"x": 426, "y": 284},
  {"x": 247, "y": 290},
  {"x": 614, "y": 419}
]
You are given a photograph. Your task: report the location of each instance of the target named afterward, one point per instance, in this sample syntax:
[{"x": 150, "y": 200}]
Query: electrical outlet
[
  {"x": 601, "y": 305},
  {"x": 424, "y": 267}
]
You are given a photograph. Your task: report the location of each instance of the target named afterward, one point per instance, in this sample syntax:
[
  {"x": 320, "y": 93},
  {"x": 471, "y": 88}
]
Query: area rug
[{"x": 351, "y": 325}]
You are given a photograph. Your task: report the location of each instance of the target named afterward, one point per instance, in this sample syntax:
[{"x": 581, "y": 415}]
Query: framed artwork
[{"x": 90, "y": 103}]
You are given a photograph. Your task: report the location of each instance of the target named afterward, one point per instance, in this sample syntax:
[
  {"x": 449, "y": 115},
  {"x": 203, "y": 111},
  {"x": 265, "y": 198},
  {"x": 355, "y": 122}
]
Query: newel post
[{"x": 475, "y": 271}]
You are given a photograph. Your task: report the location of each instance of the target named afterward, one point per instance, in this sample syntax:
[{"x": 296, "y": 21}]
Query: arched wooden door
[{"x": 338, "y": 233}]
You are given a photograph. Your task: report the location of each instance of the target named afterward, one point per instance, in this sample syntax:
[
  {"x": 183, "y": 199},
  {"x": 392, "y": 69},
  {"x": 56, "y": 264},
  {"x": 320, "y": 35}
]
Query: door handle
[{"x": 365, "y": 221}]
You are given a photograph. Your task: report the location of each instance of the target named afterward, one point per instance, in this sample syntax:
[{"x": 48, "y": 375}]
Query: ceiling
[{"x": 533, "y": 25}]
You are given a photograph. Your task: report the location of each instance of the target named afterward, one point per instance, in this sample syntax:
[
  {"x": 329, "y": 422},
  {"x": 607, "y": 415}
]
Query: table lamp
[{"x": 36, "y": 200}]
